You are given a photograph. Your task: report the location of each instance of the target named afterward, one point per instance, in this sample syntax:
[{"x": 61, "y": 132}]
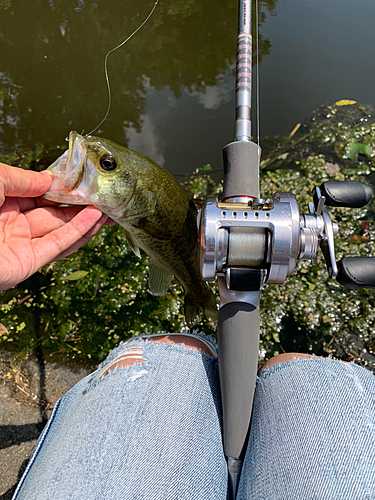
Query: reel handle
[
  {"x": 356, "y": 272},
  {"x": 350, "y": 194}
]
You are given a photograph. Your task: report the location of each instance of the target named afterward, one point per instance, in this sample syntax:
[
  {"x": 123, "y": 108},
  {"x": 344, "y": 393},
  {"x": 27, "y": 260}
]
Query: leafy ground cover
[{"x": 82, "y": 306}]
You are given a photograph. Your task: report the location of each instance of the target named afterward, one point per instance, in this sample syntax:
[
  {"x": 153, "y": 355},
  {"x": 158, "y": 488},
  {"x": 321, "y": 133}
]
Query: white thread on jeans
[
  {"x": 138, "y": 375},
  {"x": 154, "y": 335},
  {"x": 135, "y": 353}
]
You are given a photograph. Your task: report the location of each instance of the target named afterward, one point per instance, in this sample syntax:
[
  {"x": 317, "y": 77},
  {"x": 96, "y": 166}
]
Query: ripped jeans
[{"x": 152, "y": 431}]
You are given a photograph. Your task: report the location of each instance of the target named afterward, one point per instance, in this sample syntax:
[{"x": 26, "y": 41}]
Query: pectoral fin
[
  {"x": 158, "y": 281},
  {"x": 133, "y": 245},
  {"x": 152, "y": 229},
  {"x": 140, "y": 206}
]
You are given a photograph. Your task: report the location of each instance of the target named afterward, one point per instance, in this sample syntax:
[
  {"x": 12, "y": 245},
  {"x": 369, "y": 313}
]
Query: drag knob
[
  {"x": 356, "y": 272},
  {"x": 350, "y": 194}
]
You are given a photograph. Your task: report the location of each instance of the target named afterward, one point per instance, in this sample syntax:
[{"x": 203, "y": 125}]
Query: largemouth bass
[{"x": 155, "y": 212}]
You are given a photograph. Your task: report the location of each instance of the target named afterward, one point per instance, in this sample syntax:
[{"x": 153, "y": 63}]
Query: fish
[{"x": 154, "y": 211}]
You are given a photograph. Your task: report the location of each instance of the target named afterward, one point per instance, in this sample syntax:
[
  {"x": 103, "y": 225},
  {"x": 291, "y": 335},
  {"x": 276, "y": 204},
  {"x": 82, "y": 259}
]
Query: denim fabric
[
  {"x": 148, "y": 431},
  {"x": 153, "y": 431},
  {"x": 312, "y": 433}
]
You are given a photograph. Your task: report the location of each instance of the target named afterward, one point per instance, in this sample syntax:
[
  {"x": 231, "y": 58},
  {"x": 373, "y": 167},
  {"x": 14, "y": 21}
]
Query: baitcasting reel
[{"x": 250, "y": 242}]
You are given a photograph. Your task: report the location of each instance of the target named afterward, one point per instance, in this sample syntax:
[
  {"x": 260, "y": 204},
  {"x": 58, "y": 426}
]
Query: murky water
[{"x": 173, "y": 82}]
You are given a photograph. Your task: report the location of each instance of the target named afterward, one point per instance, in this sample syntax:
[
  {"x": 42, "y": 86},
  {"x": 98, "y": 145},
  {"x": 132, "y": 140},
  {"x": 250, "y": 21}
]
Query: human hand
[{"x": 34, "y": 231}]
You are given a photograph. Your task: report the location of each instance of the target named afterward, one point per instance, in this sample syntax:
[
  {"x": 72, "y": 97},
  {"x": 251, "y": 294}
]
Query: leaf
[
  {"x": 364, "y": 149},
  {"x": 268, "y": 161},
  {"x": 205, "y": 167},
  {"x": 353, "y": 150},
  {"x": 283, "y": 156},
  {"x": 77, "y": 275},
  {"x": 345, "y": 102}
]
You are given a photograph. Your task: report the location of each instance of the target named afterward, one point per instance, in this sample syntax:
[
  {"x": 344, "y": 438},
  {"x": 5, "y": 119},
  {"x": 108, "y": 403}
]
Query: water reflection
[
  {"x": 52, "y": 60},
  {"x": 179, "y": 128},
  {"x": 147, "y": 140}
]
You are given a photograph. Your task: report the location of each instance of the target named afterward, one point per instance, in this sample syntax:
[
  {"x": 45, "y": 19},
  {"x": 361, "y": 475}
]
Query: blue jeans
[{"x": 153, "y": 431}]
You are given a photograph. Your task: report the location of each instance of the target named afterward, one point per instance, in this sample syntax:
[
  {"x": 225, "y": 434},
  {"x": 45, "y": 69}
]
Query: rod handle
[
  {"x": 350, "y": 194},
  {"x": 241, "y": 169},
  {"x": 238, "y": 341},
  {"x": 356, "y": 272}
]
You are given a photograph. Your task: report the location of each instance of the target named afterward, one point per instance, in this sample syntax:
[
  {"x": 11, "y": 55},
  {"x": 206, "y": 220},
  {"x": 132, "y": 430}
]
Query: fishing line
[
  {"x": 257, "y": 95},
  {"x": 106, "y": 69}
]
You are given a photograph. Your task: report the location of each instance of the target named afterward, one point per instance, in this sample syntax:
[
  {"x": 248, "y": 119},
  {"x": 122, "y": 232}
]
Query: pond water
[{"x": 172, "y": 83}]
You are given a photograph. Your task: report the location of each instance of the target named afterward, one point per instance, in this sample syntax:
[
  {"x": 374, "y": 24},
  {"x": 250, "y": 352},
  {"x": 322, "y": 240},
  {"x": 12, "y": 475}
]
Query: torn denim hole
[
  {"x": 132, "y": 353},
  {"x": 207, "y": 341}
]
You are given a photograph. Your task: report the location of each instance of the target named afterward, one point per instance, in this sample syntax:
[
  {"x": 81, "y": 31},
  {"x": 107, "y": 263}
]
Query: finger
[
  {"x": 15, "y": 181},
  {"x": 92, "y": 232},
  {"x": 54, "y": 244},
  {"x": 39, "y": 202},
  {"x": 45, "y": 220}
]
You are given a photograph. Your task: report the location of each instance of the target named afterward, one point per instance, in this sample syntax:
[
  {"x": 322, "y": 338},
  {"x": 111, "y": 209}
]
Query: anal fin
[
  {"x": 158, "y": 280},
  {"x": 207, "y": 304},
  {"x": 191, "y": 310}
]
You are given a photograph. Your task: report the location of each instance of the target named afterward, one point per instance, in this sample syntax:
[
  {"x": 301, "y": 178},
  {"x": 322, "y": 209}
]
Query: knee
[
  {"x": 280, "y": 358},
  {"x": 131, "y": 355}
]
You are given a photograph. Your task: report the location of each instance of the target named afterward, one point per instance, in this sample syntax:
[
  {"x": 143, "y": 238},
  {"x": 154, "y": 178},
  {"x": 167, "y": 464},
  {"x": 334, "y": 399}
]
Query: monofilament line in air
[{"x": 106, "y": 69}]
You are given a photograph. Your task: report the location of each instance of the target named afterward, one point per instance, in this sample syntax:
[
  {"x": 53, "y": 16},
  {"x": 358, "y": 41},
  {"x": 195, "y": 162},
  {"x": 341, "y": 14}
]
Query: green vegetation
[
  {"x": 309, "y": 312},
  {"x": 83, "y": 306}
]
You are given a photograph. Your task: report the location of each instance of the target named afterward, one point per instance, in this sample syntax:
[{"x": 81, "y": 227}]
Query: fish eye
[{"x": 108, "y": 163}]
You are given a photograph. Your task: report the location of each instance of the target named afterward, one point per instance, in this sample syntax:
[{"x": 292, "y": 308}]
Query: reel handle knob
[
  {"x": 356, "y": 272},
  {"x": 350, "y": 194}
]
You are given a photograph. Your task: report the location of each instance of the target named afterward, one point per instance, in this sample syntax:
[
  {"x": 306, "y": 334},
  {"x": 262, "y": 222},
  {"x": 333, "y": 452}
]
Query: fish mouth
[{"x": 68, "y": 185}]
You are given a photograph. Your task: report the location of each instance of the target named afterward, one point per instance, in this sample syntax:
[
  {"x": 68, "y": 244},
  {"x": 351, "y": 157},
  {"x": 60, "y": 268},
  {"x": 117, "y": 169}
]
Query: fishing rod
[
  {"x": 246, "y": 242},
  {"x": 239, "y": 280}
]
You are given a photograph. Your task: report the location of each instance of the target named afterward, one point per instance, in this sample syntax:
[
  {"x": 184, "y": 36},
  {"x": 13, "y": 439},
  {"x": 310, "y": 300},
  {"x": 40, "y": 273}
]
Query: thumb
[{"x": 15, "y": 181}]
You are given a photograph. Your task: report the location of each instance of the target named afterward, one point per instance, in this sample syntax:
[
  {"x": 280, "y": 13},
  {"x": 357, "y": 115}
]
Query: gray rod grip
[
  {"x": 241, "y": 169},
  {"x": 238, "y": 339}
]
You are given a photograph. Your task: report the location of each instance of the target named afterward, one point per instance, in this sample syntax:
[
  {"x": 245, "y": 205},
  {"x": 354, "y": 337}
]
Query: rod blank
[{"x": 243, "y": 73}]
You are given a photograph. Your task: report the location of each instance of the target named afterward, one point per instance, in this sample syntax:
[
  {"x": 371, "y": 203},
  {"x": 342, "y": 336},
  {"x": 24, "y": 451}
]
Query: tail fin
[{"x": 193, "y": 305}]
